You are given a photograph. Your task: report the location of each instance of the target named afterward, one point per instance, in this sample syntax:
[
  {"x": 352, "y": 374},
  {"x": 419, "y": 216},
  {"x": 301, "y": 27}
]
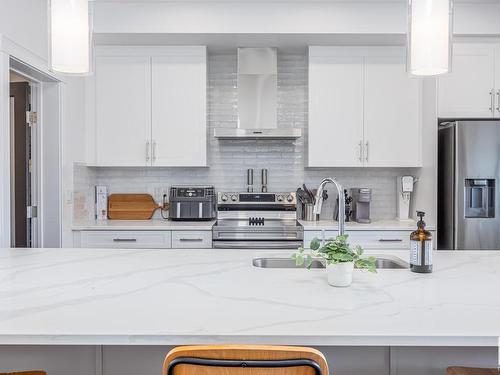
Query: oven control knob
[
  {"x": 234, "y": 197},
  {"x": 223, "y": 197},
  {"x": 289, "y": 198},
  {"x": 279, "y": 198}
]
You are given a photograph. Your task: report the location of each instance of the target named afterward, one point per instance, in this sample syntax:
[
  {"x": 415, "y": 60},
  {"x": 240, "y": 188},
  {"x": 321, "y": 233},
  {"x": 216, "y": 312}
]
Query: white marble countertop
[
  {"x": 160, "y": 297},
  {"x": 352, "y": 225},
  {"x": 153, "y": 224},
  {"x": 160, "y": 224}
]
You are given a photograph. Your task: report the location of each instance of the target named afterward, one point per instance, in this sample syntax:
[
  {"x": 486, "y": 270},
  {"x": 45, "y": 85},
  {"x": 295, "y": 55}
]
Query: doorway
[{"x": 24, "y": 182}]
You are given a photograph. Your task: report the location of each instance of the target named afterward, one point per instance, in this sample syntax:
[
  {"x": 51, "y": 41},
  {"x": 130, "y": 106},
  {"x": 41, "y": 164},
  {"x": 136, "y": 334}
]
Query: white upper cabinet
[
  {"x": 392, "y": 111},
  {"x": 148, "y": 107},
  {"x": 364, "y": 109},
  {"x": 122, "y": 110},
  {"x": 335, "y": 111},
  {"x": 179, "y": 134},
  {"x": 469, "y": 90},
  {"x": 496, "y": 110}
]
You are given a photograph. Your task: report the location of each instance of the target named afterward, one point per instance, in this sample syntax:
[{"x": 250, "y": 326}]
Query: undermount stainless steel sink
[{"x": 383, "y": 262}]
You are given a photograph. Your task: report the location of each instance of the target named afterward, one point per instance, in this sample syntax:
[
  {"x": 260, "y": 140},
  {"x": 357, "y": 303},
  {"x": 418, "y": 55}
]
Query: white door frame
[{"x": 15, "y": 57}]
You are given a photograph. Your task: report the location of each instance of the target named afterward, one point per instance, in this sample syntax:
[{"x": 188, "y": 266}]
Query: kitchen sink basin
[{"x": 383, "y": 262}]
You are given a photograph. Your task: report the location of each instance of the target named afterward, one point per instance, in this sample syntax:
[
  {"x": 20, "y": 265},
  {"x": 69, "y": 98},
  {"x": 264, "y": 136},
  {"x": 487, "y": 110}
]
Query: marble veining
[{"x": 151, "y": 297}]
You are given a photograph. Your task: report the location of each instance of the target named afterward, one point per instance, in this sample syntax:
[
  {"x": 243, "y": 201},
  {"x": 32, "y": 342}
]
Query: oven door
[{"x": 250, "y": 237}]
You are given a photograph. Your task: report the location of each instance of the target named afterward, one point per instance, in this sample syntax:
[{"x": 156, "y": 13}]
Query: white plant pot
[{"x": 340, "y": 274}]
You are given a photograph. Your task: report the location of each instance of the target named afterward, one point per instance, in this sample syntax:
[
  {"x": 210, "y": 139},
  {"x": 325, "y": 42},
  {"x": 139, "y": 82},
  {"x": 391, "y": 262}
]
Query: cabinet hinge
[
  {"x": 31, "y": 118},
  {"x": 31, "y": 212}
]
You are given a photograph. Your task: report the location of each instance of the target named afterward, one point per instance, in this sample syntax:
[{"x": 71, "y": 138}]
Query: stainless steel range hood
[{"x": 257, "y": 98}]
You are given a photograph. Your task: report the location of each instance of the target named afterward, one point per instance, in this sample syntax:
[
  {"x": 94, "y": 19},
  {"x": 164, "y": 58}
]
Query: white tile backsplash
[{"x": 229, "y": 159}]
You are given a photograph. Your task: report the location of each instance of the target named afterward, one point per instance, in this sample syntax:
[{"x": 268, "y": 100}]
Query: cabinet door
[
  {"x": 392, "y": 125},
  {"x": 497, "y": 82},
  {"x": 467, "y": 91},
  {"x": 179, "y": 130},
  {"x": 335, "y": 111},
  {"x": 122, "y": 110}
]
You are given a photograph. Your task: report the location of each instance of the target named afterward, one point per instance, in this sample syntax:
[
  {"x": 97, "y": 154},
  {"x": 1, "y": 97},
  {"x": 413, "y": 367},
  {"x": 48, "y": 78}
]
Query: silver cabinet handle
[
  {"x": 492, "y": 101},
  {"x": 498, "y": 100},
  {"x": 360, "y": 151},
  {"x": 190, "y": 239},
  {"x": 124, "y": 239},
  {"x": 147, "y": 151},
  {"x": 390, "y": 240},
  {"x": 154, "y": 151},
  {"x": 366, "y": 151}
]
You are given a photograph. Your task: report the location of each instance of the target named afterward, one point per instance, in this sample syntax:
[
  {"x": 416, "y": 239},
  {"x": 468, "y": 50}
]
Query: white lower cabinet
[
  {"x": 310, "y": 235},
  {"x": 144, "y": 239},
  {"x": 126, "y": 239},
  {"x": 382, "y": 239},
  {"x": 367, "y": 239},
  {"x": 201, "y": 239}
]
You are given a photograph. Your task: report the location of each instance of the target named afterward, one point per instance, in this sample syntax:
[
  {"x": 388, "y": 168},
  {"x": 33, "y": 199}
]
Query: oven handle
[
  {"x": 260, "y": 236},
  {"x": 285, "y": 245}
]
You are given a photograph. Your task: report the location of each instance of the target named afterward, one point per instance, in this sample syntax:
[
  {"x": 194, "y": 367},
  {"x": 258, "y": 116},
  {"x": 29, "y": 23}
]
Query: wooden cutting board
[{"x": 131, "y": 206}]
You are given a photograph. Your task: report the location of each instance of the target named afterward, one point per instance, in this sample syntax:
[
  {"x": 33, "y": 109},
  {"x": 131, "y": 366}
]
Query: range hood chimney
[{"x": 257, "y": 97}]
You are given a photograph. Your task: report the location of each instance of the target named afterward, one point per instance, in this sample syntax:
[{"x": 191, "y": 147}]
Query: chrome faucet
[{"x": 319, "y": 201}]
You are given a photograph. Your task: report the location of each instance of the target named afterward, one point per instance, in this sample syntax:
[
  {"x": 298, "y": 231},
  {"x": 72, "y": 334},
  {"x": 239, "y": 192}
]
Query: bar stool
[
  {"x": 24, "y": 373},
  {"x": 244, "y": 360},
  {"x": 459, "y": 370}
]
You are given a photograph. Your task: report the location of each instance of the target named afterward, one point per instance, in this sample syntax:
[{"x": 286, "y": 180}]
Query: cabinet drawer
[
  {"x": 310, "y": 235},
  {"x": 379, "y": 239},
  {"x": 199, "y": 239},
  {"x": 126, "y": 239}
]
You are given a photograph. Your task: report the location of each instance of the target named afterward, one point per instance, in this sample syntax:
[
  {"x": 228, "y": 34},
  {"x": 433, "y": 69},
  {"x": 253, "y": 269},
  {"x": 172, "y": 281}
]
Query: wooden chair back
[
  {"x": 244, "y": 360},
  {"x": 460, "y": 370}
]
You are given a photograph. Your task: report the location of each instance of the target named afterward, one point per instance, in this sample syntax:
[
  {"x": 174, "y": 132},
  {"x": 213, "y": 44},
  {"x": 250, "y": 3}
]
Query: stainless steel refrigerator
[{"x": 468, "y": 175}]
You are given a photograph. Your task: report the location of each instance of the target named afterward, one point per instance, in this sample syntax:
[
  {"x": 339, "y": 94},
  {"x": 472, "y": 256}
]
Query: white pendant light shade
[
  {"x": 429, "y": 46},
  {"x": 70, "y": 36}
]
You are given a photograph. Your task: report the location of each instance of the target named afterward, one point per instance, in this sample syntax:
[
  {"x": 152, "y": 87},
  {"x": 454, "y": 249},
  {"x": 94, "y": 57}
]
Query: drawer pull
[
  {"x": 191, "y": 239},
  {"x": 124, "y": 239},
  {"x": 390, "y": 240}
]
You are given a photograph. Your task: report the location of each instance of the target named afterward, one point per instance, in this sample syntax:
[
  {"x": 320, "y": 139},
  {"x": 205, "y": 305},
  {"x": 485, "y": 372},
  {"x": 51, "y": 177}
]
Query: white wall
[
  {"x": 25, "y": 23},
  {"x": 23, "y": 29},
  {"x": 73, "y": 148},
  {"x": 474, "y": 18}
]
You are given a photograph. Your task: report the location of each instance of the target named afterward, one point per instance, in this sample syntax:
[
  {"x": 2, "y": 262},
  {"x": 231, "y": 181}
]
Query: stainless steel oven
[{"x": 257, "y": 221}]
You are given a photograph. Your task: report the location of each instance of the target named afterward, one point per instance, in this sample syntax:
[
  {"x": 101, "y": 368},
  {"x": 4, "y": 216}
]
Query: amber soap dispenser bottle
[{"x": 421, "y": 247}]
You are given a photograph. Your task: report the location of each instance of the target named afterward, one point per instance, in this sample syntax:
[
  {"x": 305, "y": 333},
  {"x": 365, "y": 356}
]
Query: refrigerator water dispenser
[{"x": 479, "y": 198}]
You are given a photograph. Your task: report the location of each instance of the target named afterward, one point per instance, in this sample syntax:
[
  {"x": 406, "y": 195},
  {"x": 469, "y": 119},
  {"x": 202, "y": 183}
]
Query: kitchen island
[{"x": 109, "y": 297}]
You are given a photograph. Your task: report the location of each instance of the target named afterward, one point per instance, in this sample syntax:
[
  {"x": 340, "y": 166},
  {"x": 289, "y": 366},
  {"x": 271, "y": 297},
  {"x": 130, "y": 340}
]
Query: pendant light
[
  {"x": 70, "y": 36},
  {"x": 430, "y": 31}
]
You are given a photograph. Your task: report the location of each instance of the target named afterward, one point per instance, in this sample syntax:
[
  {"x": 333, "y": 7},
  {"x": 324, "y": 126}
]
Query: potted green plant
[{"x": 339, "y": 257}]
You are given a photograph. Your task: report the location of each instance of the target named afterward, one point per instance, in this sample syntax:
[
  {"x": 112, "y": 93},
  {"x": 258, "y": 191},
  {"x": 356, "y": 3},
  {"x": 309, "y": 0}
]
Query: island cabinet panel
[
  {"x": 126, "y": 239},
  {"x": 364, "y": 109},
  {"x": 147, "y": 107},
  {"x": 470, "y": 89}
]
